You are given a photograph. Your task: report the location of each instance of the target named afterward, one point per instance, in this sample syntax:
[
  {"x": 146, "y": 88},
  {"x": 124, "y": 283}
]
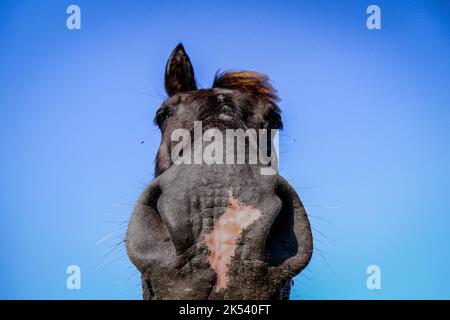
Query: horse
[{"x": 214, "y": 223}]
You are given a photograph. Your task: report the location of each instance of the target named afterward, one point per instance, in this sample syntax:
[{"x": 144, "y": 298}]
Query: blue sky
[{"x": 366, "y": 139}]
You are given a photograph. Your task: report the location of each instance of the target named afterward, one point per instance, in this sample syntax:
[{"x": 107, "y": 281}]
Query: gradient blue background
[{"x": 366, "y": 140}]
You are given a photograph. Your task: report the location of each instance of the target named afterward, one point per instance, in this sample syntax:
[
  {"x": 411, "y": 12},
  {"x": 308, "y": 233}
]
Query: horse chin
[{"x": 216, "y": 237}]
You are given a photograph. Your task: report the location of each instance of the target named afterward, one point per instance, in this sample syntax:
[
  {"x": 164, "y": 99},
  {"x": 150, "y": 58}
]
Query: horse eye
[{"x": 162, "y": 115}]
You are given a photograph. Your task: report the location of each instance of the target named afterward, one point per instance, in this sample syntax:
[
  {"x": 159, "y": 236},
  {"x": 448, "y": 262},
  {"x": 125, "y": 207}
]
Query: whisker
[
  {"x": 318, "y": 218},
  {"x": 157, "y": 96},
  {"x": 117, "y": 259},
  {"x": 319, "y": 232},
  {"x": 104, "y": 238},
  {"x": 324, "y": 259},
  {"x": 109, "y": 253}
]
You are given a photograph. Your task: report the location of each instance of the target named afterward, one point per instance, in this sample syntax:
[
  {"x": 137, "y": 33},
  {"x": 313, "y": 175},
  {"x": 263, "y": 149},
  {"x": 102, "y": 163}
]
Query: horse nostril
[
  {"x": 152, "y": 197},
  {"x": 281, "y": 242}
]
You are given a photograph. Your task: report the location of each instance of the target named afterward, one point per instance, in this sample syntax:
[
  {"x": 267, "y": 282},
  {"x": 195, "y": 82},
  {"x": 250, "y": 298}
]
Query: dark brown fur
[{"x": 247, "y": 97}]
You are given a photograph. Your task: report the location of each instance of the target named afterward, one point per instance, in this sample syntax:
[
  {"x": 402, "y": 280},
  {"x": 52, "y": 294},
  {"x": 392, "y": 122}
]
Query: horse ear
[{"x": 179, "y": 72}]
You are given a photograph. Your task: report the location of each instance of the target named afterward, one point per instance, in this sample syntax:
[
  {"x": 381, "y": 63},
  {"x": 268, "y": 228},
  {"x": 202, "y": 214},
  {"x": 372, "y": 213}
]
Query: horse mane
[{"x": 247, "y": 81}]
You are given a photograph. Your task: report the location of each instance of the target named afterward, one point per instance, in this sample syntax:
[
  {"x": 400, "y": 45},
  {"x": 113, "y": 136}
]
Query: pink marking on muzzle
[{"x": 222, "y": 239}]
